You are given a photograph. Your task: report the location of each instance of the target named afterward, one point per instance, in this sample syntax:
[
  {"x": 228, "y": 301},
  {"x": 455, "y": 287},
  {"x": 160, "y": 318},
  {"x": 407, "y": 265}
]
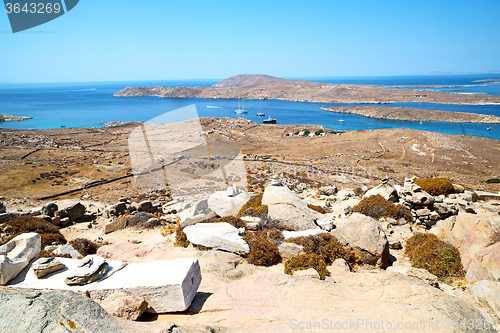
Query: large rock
[
  {"x": 416, "y": 273},
  {"x": 477, "y": 238},
  {"x": 166, "y": 285},
  {"x": 417, "y": 198},
  {"x": 366, "y": 237},
  {"x": 45, "y": 266},
  {"x": 385, "y": 190},
  {"x": 221, "y": 236},
  {"x": 63, "y": 312},
  {"x": 290, "y": 210},
  {"x": 125, "y": 306},
  {"x": 75, "y": 211},
  {"x": 117, "y": 209},
  {"x": 115, "y": 225},
  {"x": 89, "y": 269},
  {"x": 49, "y": 209},
  {"x": 223, "y": 205},
  {"x": 487, "y": 293},
  {"x": 288, "y": 250},
  {"x": 302, "y": 233},
  {"x": 16, "y": 255}
]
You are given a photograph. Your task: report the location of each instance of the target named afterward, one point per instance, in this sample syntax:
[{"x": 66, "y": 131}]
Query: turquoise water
[{"x": 91, "y": 104}]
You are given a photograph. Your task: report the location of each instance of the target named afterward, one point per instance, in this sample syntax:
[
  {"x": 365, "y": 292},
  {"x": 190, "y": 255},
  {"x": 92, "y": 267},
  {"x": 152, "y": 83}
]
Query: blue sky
[{"x": 122, "y": 40}]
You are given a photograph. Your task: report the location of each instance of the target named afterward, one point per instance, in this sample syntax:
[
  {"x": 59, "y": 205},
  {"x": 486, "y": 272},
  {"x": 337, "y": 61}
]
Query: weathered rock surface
[
  {"x": 224, "y": 205},
  {"x": 307, "y": 273},
  {"x": 16, "y": 255},
  {"x": 89, "y": 269},
  {"x": 417, "y": 273},
  {"x": 487, "y": 293},
  {"x": 63, "y": 312},
  {"x": 49, "y": 209},
  {"x": 75, "y": 211},
  {"x": 166, "y": 285},
  {"x": 65, "y": 250},
  {"x": 115, "y": 225},
  {"x": 288, "y": 250},
  {"x": 45, "y": 266},
  {"x": 366, "y": 237},
  {"x": 221, "y": 236},
  {"x": 125, "y": 306},
  {"x": 309, "y": 232},
  {"x": 290, "y": 210},
  {"x": 385, "y": 190}
]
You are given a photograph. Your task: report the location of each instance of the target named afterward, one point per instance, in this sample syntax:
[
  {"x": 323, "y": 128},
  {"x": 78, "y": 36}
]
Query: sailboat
[
  {"x": 62, "y": 126},
  {"x": 242, "y": 109},
  {"x": 342, "y": 120}
]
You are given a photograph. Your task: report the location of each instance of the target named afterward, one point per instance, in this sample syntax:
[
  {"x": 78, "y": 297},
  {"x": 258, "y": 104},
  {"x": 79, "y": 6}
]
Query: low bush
[
  {"x": 326, "y": 247},
  {"x": 435, "y": 186},
  {"x": 25, "y": 224},
  {"x": 306, "y": 261},
  {"x": 377, "y": 206},
  {"x": 440, "y": 258},
  {"x": 262, "y": 251},
  {"x": 234, "y": 221},
  {"x": 84, "y": 246},
  {"x": 493, "y": 181},
  {"x": 253, "y": 207},
  {"x": 319, "y": 209},
  {"x": 318, "y": 132},
  {"x": 180, "y": 237}
]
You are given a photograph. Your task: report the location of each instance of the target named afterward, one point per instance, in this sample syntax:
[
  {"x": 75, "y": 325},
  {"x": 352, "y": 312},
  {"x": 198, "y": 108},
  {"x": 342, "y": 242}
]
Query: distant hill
[{"x": 248, "y": 80}]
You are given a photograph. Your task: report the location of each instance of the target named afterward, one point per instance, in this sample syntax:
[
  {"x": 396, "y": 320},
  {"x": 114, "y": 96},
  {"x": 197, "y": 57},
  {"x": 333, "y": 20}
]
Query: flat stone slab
[
  {"x": 166, "y": 285},
  {"x": 56, "y": 280},
  {"x": 222, "y": 236},
  {"x": 310, "y": 232}
]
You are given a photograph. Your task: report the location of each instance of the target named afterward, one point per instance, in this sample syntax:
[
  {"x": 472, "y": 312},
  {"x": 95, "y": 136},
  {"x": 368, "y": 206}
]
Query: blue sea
[{"x": 91, "y": 104}]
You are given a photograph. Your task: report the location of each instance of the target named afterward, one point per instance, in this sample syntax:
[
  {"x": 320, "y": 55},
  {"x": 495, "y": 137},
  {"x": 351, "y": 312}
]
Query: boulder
[
  {"x": 365, "y": 236},
  {"x": 45, "y": 266},
  {"x": 89, "y": 269},
  {"x": 123, "y": 305},
  {"x": 442, "y": 209},
  {"x": 62, "y": 312},
  {"x": 117, "y": 209},
  {"x": 145, "y": 206},
  {"x": 287, "y": 208},
  {"x": 307, "y": 273},
  {"x": 385, "y": 190},
  {"x": 419, "y": 198},
  {"x": 16, "y": 255},
  {"x": 487, "y": 293},
  {"x": 328, "y": 190},
  {"x": 49, "y": 209},
  {"x": 75, "y": 211},
  {"x": 288, "y": 250},
  {"x": 223, "y": 205},
  {"x": 308, "y": 232},
  {"x": 417, "y": 273},
  {"x": 325, "y": 224},
  {"x": 221, "y": 236},
  {"x": 173, "y": 292},
  {"x": 115, "y": 225},
  {"x": 65, "y": 250}
]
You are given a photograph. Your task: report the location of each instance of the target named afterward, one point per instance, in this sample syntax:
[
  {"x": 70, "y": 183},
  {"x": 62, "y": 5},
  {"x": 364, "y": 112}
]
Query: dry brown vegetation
[{"x": 377, "y": 206}]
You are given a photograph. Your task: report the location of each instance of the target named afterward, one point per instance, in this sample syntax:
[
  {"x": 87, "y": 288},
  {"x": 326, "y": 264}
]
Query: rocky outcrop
[
  {"x": 45, "y": 266},
  {"x": 385, "y": 190},
  {"x": 365, "y": 236},
  {"x": 6, "y": 117},
  {"x": 16, "y": 255},
  {"x": 89, "y": 269},
  {"x": 487, "y": 293},
  {"x": 221, "y": 236}
]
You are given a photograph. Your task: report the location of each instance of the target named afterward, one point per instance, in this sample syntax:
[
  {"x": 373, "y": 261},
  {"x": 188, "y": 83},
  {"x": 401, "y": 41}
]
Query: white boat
[
  {"x": 213, "y": 107},
  {"x": 489, "y": 129},
  {"x": 341, "y": 120},
  {"x": 261, "y": 114},
  {"x": 269, "y": 121},
  {"x": 242, "y": 109}
]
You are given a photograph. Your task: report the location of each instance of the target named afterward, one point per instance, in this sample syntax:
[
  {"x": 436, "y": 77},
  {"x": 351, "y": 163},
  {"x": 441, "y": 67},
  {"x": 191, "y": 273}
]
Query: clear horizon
[{"x": 106, "y": 41}]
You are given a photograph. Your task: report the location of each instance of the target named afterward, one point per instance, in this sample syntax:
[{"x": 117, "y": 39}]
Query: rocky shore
[
  {"x": 410, "y": 114},
  {"x": 6, "y": 117},
  {"x": 268, "y": 87}
]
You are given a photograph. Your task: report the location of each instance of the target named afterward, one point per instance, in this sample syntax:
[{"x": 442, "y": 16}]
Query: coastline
[
  {"x": 411, "y": 114},
  {"x": 6, "y": 118}
]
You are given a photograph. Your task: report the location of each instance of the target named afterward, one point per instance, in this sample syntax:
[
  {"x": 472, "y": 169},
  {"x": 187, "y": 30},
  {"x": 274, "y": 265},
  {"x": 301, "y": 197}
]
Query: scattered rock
[
  {"x": 45, "y": 266},
  {"x": 145, "y": 206},
  {"x": 75, "y": 211},
  {"x": 49, "y": 209},
  {"x": 326, "y": 224},
  {"x": 115, "y": 224},
  {"x": 223, "y": 205},
  {"x": 16, "y": 255},
  {"x": 308, "y": 232},
  {"x": 328, "y": 190},
  {"x": 288, "y": 250},
  {"x": 221, "y": 236},
  {"x": 90, "y": 269},
  {"x": 307, "y": 273},
  {"x": 65, "y": 250},
  {"x": 123, "y": 305},
  {"x": 385, "y": 190}
]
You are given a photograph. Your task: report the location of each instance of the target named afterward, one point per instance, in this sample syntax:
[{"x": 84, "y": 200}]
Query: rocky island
[
  {"x": 269, "y": 87},
  {"x": 411, "y": 114},
  {"x": 6, "y": 117}
]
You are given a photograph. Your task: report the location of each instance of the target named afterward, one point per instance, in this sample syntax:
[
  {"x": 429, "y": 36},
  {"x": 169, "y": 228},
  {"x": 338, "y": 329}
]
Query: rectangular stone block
[{"x": 166, "y": 285}]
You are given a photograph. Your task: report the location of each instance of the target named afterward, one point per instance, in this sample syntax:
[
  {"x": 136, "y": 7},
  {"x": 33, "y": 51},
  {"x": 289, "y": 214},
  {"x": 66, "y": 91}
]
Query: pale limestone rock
[
  {"x": 45, "y": 266},
  {"x": 89, "y": 269},
  {"x": 67, "y": 249},
  {"x": 288, "y": 250},
  {"x": 166, "y": 285},
  {"x": 123, "y": 305},
  {"x": 385, "y": 190},
  {"x": 308, "y": 273},
  {"x": 309, "y": 232},
  {"x": 487, "y": 293},
  {"x": 115, "y": 225},
  {"x": 223, "y": 205},
  {"x": 417, "y": 273},
  {"x": 325, "y": 224},
  {"x": 16, "y": 255},
  {"x": 221, "y": 236}
]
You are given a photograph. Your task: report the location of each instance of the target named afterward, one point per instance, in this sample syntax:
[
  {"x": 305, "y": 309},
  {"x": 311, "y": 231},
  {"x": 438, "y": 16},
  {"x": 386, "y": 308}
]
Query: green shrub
[
  {"x": 24, "y": 224},
  {"x": 325, "y": 246},
  {"x": 435, "y": 186},
  {"x": 180, "y": 237},
  {"x": 306, "y": 261},
  {"x": 262, "y": 251},
  {"x": 493, "y": 181},
  {"x": 318, "y": 132},
  {"x": 306, "y": 132},
  {"x": 377, "y": 206},
  {"x": 440, "y": 258}
]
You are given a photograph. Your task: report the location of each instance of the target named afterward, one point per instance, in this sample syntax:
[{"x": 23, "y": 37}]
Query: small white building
[{"x": 301, "y": 133}]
